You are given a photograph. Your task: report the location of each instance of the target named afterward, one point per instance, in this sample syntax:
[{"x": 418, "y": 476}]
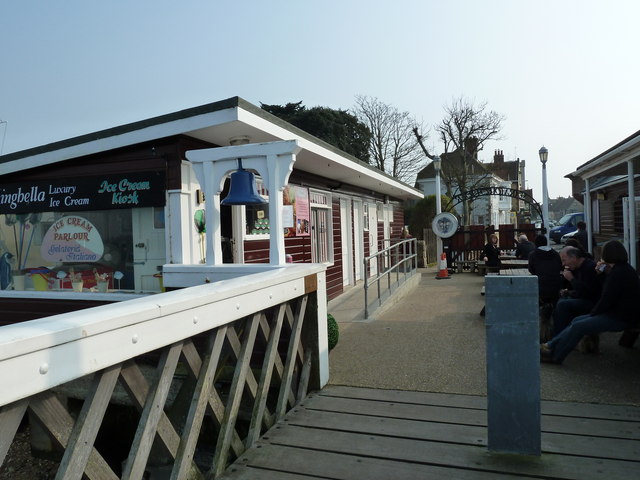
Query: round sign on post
[{"x": 444, "y": 224}]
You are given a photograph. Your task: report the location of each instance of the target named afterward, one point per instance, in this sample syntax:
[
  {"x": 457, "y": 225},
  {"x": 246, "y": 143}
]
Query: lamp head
[
  {"x": 544, "y": 153},
  {"x": 437, "y": 163}
]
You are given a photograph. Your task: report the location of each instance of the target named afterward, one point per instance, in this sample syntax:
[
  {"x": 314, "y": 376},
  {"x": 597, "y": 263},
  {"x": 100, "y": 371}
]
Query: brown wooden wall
[
  {"x": 611, "y": 223},
  {"x": 397, "y": 221},
  {"x": 16, "y": 310},
  {"x": 257, "y": 251}
]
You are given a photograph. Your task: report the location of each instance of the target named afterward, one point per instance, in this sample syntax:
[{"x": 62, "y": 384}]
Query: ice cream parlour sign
[
  {"x": 72, "y": 239},
  {"x": 103, "y": 192}
]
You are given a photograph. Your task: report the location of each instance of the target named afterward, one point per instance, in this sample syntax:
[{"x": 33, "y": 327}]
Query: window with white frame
[
  {"x": 321, "y": 246},
  {"x": 257, "y": 216},
  {"x": 365, "y": 216},
  {"x": 381, "y": 212}
]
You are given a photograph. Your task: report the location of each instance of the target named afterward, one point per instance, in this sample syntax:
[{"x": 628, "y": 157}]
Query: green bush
[{"x": 333, "y": 331}]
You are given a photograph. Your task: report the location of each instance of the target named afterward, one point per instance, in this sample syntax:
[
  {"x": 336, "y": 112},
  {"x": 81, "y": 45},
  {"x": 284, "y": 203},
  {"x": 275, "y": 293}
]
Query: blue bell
[{"x": 242, "y": 190}]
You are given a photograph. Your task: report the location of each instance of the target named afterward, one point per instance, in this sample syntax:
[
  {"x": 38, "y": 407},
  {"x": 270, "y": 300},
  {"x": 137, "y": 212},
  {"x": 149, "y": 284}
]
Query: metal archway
[{"x": 472, "y": 194}]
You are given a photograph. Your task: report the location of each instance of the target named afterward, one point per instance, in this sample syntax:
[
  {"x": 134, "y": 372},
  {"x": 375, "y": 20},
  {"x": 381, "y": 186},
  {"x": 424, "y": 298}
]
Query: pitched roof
[
  {"x": 452, "y": 161},
  {"x": 216, "y": 123}
]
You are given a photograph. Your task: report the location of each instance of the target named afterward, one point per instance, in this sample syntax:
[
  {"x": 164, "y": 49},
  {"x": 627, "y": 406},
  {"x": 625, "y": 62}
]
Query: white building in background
[{"x": 485, "y": 210}]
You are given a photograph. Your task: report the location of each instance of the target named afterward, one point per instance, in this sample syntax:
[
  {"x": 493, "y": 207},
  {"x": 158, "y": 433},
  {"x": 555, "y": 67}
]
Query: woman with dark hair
[{"x": 617, "y": 309}]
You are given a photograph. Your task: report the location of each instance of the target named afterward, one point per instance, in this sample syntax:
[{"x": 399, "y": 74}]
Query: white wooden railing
[{"x": 243, "y": 350}]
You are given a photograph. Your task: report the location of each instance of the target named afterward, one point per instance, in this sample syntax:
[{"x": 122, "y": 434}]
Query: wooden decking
[{"x": 358, "y": 433}]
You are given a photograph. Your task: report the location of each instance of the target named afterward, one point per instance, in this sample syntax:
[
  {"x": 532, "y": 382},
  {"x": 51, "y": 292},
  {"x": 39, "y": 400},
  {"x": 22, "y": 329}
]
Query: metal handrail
[{"x": 399, "y": 256}]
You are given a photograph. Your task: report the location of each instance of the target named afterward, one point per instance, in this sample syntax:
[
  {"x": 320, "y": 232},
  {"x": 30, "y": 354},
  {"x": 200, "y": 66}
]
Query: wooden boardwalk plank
[
  {"x": 464, "y": 416},
  {"x": 334, "y": 465},
  {"x": 570, "y": 409},
  {"x": 355, "y": 433},
  {"x": 403, "y": 396},
  {"x": 244, "y": 472},
  {"x": 397, "y": 410},
  {"x": 450, "y": 455},
  {"x": 596, "y": 447}
]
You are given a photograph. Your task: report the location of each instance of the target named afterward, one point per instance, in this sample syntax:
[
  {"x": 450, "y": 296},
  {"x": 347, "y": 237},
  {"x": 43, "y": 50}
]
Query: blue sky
[{"x": 563, "y": 72}]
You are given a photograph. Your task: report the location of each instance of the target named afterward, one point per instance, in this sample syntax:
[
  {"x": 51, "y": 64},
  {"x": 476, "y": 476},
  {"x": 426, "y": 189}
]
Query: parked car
[
  {"x": 567, "y": 236},
  {"x": 568, "y": 223}
]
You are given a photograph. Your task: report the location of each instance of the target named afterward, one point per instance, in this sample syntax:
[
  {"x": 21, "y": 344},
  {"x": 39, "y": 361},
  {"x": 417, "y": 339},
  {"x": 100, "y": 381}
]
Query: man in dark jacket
[
  {"x": 617, "y": 309},
  {"x": 524, "y": 248},
  {"x": 585, "y": 285},
  {"x": 545, "y": 263}
]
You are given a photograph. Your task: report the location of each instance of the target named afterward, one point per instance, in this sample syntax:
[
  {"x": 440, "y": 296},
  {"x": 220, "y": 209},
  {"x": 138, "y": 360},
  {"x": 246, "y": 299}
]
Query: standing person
[
  {"x": 545, "y": 263},
  {"x": 524, "y": 248},
  {"x": 617, "y": 309},
  {"x": 582, "y": 236},
  {"x": 584, "y": 288},
  {"x": 491, "y": 253}
]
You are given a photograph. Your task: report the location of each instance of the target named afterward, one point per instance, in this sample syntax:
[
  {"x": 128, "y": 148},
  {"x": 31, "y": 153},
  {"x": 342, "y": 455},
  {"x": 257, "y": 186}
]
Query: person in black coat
[
  {"x": 584, "y": 286},
  {"x": 491, "y": 253},
  {"x": 524, "y": 248},
  {"x": 545, "y": 263},
  {"x": 617, "y": 309}
]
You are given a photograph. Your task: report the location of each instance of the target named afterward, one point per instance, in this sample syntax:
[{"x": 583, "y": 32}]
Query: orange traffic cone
[{"x": 443, "y": 273}]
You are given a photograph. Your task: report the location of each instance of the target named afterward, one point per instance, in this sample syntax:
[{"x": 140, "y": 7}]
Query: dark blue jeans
[
  {"x": 562, "y": 344},
  {"x": 566, "y": 310}
]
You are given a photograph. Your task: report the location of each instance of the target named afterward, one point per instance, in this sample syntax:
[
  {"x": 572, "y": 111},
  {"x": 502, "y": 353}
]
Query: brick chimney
[{"x": 498, "y": 156}]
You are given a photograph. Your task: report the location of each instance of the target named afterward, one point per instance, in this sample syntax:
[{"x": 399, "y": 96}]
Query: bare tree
[
  {"x": 464, "y": 130},
  {"x": 392, "y": 148}
]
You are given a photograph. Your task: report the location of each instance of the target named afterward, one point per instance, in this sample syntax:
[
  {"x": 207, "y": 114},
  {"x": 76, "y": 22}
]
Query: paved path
[{"x": 433, "y": 340}]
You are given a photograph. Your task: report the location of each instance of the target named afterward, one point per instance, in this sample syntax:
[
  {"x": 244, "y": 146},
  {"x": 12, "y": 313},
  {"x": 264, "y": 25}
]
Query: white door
[
  {"x": 149, "y": 251},
  {"x": 358, "y": 240},
  {"x": 346, "y": 239},
  {"x": 388, "y": 215},
  {"x": 373, "y": 238},
  {"x": 387, "y": 212}
]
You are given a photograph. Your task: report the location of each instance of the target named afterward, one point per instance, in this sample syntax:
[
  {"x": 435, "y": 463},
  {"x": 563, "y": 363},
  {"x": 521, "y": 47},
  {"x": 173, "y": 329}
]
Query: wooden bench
[
  {"x": 481, "y": 268},
  {"x": 504, "y": 265},
  {"x": 466, "y": 265}
]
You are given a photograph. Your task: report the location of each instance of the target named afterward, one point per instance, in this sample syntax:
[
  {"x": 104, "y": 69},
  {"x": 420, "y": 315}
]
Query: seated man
[
  {"x": 524, "y": 248},
  {"x": 617, "y": 309},
  {"x": 585, "y": 285}
]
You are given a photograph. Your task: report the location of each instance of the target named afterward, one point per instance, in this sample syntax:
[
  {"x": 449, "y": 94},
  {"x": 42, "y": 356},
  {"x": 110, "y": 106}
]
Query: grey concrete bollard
[{"x": 513, "y": 364}]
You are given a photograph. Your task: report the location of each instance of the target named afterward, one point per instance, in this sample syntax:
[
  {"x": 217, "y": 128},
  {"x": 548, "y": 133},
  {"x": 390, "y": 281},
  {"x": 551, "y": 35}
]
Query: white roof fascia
[
  {"x": 625, "y": 152},
  {"x": 352, "y": 172},
  {"x": 152, "y": 132},
  {"x": 356, "y": 168}
]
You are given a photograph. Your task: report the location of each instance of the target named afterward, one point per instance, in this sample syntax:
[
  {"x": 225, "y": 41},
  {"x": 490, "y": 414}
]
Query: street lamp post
[
  {"x": 544, "y": 153},
  {"x": 437, "y": 164}
]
